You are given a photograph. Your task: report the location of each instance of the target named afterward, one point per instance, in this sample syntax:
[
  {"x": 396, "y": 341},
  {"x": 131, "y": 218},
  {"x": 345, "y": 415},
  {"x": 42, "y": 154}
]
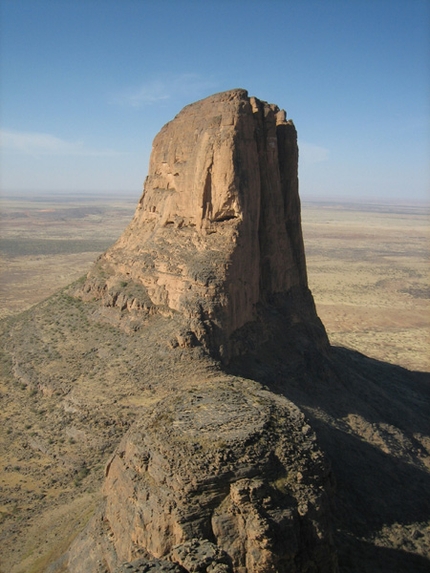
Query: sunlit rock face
[{"x": 217, "y": 231}]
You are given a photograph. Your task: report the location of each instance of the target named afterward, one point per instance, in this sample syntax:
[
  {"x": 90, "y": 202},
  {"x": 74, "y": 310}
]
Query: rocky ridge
[{"x": 215, "y": 243}]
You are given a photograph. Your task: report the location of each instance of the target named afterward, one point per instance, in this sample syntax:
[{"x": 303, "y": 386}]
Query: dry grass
[{"x": 369, "y": 272}]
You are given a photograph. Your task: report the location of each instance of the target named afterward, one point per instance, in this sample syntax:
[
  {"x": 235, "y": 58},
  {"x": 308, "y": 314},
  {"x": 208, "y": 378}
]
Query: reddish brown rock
[
  {"x": 222, "y": 476},
  {"x": 227, "y": 477},
  {"x": 217, "y": 232}
]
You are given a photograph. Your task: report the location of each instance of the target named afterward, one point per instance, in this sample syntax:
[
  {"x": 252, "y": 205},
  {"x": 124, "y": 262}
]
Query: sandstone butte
[
  {"x": 217, "y": 233},
  {"x": 215, "y": 482},
  {"x": 256, "y": 447}
]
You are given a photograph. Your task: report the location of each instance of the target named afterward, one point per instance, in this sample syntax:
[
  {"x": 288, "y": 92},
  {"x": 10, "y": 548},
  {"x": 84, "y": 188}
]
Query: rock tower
[{"x": 217, "y": 233}]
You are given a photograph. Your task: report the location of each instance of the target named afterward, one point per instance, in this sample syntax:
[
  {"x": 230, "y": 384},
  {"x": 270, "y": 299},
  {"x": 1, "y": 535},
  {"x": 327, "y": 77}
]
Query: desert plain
[
  {"x": 368, "y": 269},
  {"x": 368, "y": 263}
]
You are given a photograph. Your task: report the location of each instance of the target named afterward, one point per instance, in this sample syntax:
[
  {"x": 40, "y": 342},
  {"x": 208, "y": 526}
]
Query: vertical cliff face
[{"x": 217, "y": 232}]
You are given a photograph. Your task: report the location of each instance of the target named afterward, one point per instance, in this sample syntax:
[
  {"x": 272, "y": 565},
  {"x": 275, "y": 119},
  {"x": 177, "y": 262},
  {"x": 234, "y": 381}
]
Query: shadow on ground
[{"x": 372, "y": 420}]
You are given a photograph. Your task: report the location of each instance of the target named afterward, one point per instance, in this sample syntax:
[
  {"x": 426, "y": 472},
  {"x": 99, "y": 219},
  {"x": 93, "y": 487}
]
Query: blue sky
[{"x": 87, "y": 84}]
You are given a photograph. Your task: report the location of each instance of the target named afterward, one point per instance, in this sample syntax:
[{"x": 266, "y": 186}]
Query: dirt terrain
[
  {"x": 48, "y": 242},
  {"x": 368, "y": 264},
  {"x": 368, "y": 270}
]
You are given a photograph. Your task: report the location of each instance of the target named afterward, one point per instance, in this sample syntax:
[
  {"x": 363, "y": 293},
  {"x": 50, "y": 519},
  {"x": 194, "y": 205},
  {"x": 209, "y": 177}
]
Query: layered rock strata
[
  {"x": 225, "y": 477},
  {"x": 217, "y": 232}
]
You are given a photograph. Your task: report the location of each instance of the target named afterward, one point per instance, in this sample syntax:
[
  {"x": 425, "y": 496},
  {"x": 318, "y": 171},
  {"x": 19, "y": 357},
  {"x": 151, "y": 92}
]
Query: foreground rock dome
[{"x": 223, "y": 478}]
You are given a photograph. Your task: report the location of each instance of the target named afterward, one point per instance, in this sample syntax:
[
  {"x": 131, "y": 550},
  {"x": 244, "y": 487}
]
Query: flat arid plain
[
  {"x": 368, "y": 263},
  {"x": 368, "y": 267}
]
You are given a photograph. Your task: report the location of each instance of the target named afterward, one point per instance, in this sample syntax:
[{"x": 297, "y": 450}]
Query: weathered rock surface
[
  {"x": 217, "y": 232},
  {"x": 223, "y": 477}
]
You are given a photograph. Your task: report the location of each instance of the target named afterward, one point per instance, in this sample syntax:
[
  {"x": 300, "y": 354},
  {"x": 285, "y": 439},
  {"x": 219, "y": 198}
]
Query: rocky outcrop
[
  {"x": 225, "y": 477},
  {"x": 217, "y": 232}
]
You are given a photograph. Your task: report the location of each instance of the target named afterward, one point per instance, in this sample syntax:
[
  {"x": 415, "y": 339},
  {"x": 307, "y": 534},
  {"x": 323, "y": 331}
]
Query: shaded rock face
[
  {"x": 222, "y": 478},
  {"x": 217, "y": 232}
]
